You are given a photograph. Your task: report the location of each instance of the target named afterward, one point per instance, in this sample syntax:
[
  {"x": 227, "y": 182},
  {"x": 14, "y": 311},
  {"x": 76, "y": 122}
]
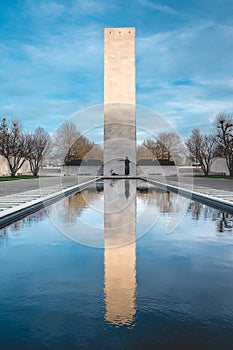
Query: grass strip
[{"x": 19, "y": 177}]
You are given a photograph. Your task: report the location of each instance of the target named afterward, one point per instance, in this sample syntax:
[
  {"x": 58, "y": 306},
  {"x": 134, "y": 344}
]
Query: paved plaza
[
  {"x": 211, "y": 183},
  {"x": 17, "y": 192},
  {"x": 20, "y": 186}
]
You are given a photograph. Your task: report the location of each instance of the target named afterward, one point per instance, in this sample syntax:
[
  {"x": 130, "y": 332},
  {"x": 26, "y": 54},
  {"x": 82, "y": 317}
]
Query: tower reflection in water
[{"x": 120, "y": 251}]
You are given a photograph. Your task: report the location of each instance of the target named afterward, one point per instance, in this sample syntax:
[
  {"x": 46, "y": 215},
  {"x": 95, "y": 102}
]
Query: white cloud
[
  {"x": 52, "y": 78},
  {"x": 44, "y": 10},
  {"x": 153, "y": 5},
  {"x": 91, "y": 7},
  {"x": 187, "y": 73},
  {"x": 197, "y": 50}
]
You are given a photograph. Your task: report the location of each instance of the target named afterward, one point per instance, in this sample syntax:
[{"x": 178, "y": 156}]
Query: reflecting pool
[{"x": 121, "y": 265}]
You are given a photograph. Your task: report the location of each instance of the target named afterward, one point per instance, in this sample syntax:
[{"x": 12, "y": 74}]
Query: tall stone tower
[{"x": 119, "y": 100}]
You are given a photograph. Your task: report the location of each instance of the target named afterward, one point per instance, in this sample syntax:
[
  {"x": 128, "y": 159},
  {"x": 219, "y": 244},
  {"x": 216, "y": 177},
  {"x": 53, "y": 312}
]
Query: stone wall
[
  {"x": 150, "y": 170},
  {"x": 141, "y": 170},
  {"x": 73, "y": 170}
]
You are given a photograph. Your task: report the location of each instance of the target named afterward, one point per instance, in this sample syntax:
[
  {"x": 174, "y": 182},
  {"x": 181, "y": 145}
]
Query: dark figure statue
[
  {"x": 127, "y": 194},
  {"x": 127, "y": 161},
  {"x": 112, "y": 172}
]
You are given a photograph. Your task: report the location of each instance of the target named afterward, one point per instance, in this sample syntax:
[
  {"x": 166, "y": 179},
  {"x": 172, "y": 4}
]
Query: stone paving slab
[
  {"x": 212, "y": 183},
  {"x": 223, "y": 198},
  {"x": 11, "y": 209},
  {"x": 24, "y": 185},
  {"x": 25, "y": 191},
  {"x": 215, "y": 193}
]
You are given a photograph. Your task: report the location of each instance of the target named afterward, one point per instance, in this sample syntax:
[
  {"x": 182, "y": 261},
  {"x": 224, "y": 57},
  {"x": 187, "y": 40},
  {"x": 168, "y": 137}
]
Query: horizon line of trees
[
  {"x": 200, "y": 148},
  {"x": 167, "y": 146},
  {"x": 18, "y": 147},
  {"x": 204, "y": 148},
  {"x": 68, "y": 143}
]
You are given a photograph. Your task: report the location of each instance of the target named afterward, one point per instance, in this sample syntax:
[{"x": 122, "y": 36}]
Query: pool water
[{"x": 103, "y": 269}]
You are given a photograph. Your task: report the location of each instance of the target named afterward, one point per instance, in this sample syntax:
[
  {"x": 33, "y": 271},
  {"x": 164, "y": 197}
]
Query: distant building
[
  {"x": 155, "y": 162},
  {"x": 4, "y": 168},
  {"x": 219, "y": 166}
]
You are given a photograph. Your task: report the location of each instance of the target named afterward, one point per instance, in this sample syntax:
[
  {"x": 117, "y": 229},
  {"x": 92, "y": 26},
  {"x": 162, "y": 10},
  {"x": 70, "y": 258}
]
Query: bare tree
[
  {"x": 161, "y": 149},
  {"x": 172, "y": 147},
  {"x": 70, "y": 144},
  {"x": 64, "y": 138},
  {"x": 203, "y": 149},
  {"x": 81, "y": 147},
  {"x": 37, "y": 146},
  {"x": 209, "y": 152},
  {"x": 225, "y": 139},
  {"x": 153, "y": 147},
  {"x": 144, "y": 152},
  {"x": 193, "y": 145},
  {"x": 12, "y": 145},
  {"x": 96, "y": 152},
  {"x": 168, "y": 146}
]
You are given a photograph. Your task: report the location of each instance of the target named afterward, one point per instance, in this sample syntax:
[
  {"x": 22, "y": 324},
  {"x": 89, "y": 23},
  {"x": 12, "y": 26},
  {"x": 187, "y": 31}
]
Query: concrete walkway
[
  {"x": 217, "y": 188},
  {"x": 21, "y": 197},
  {"x": 15, "y": 192},
  {"x": 213, "y": 183},
  {"x": 215, "y": 192},
  {"x": 20, "y": 186}
]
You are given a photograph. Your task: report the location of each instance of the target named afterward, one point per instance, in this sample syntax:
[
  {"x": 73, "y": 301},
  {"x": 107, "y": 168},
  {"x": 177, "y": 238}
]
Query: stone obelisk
[{"x": 119, "y": 100}]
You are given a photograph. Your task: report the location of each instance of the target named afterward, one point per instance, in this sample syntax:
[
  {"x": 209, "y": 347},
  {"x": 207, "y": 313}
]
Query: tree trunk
[
  {"x": 231, "y": 172},
  {"x": 230, "y": 166},
  {"x": 35, "y": 172},
  {"x": 34, "y": 166},
  {"x": 12, "y": 170}
]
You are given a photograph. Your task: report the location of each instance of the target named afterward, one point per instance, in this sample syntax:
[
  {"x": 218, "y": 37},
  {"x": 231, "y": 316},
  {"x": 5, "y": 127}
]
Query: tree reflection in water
[
  {"x": 77, "y": 203},
  {"x": 165, "y": 200},
  {"x": 224, "y": 221},
  {"x": 3, "y": 237},
  {"x": 168, "y": 203}
]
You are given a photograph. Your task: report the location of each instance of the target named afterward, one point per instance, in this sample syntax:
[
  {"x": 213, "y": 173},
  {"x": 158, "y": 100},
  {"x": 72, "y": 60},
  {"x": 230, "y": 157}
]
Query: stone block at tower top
[{"x": 119, "y": 65}]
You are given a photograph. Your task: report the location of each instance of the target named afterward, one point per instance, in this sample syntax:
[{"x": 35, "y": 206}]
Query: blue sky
[{"x": 52, "y": 59}]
